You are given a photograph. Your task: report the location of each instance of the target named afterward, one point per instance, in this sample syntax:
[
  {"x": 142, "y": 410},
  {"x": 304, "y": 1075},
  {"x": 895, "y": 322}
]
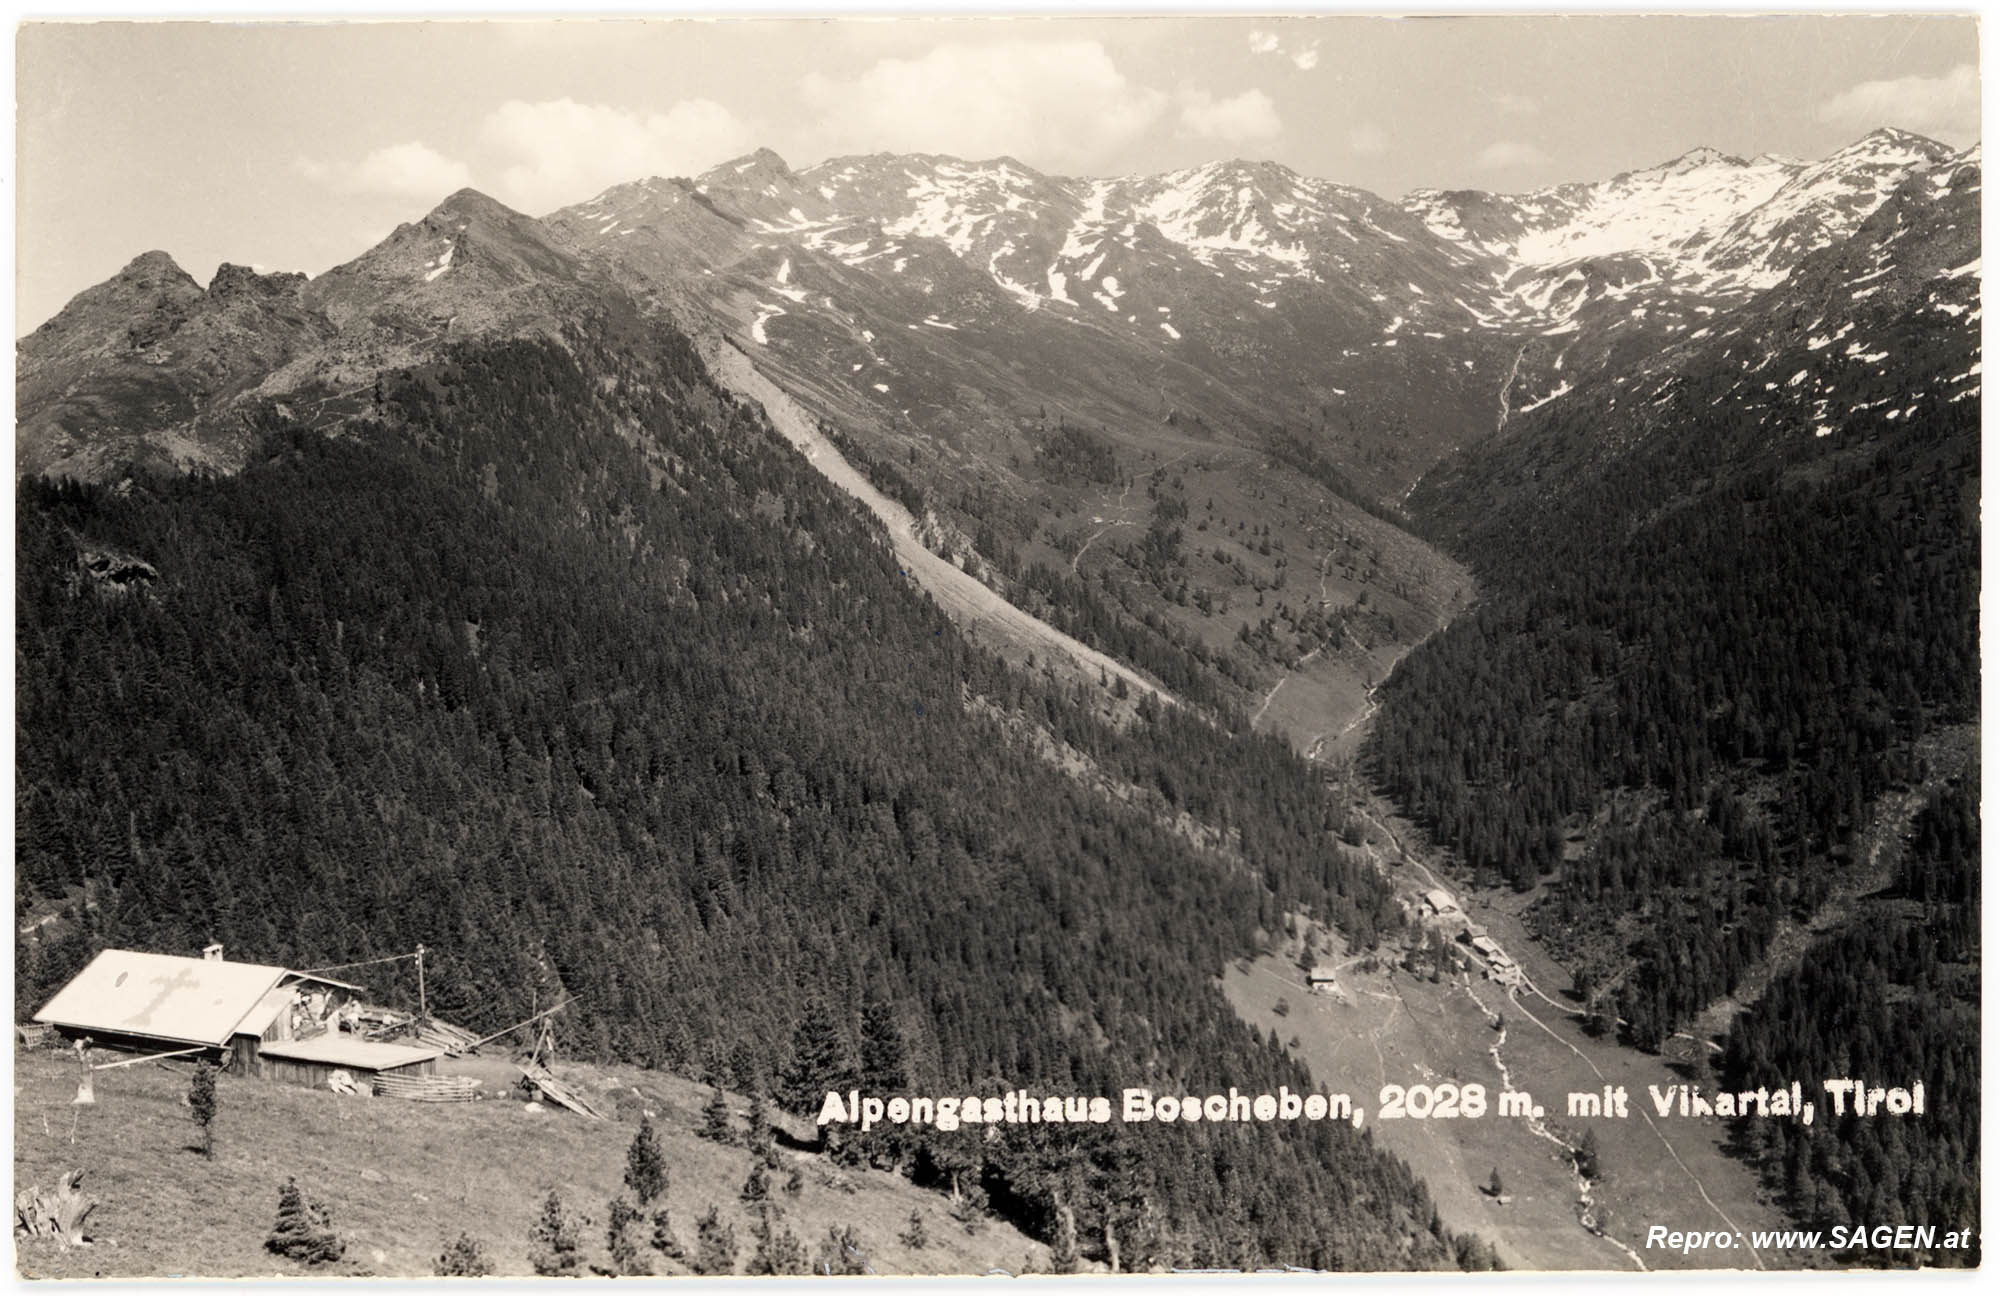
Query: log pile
[
  {"x": 456, "y": 1041},
  {"x": 384, "y": 1025}
]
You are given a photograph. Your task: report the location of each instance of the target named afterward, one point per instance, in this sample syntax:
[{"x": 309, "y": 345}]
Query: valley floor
[{"x": 1387, "y": 1026}]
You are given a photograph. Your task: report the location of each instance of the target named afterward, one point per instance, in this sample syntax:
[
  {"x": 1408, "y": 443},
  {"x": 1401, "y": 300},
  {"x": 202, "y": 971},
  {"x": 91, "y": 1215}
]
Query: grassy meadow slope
[{"x": 402, "y": 1180}]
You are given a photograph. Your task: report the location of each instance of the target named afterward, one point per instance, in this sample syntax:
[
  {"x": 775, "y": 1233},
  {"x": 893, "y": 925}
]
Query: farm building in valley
[
  {"x": 1439, "y": 901},
  {"x": 263, "y": 1020}
]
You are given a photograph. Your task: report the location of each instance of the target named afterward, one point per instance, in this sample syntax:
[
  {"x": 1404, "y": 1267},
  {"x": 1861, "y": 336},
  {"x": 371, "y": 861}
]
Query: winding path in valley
[
  {"x": 1517, "y": 1001},
  {"x": 1118, "y": 506}
]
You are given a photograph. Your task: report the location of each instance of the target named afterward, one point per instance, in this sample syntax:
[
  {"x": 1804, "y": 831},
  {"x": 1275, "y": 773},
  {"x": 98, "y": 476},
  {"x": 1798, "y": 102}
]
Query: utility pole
[{"x": 423, "y": 1002}]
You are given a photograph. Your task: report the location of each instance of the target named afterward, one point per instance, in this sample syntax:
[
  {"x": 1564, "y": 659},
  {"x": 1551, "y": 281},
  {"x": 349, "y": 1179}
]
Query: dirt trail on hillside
[
  {"x": 1014, "y": 633},
  {"x": 1118, "y": 506}
]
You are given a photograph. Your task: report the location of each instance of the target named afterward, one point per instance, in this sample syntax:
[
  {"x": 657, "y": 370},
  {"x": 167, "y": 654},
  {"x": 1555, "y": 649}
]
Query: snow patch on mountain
[
  {"x": 1704, "y": 224},
  {"x": 1210, "y": 219}
]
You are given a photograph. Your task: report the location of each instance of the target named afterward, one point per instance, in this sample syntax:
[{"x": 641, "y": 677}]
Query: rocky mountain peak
[
  {"x": 468, "y": 236},
  {"x": 135, "y": 307},
  {"x": 244, "y": 281},
  {"x": 762, "y": 167},
  {"x": 470, "y": 204},
  {"x": 154, "y": 267},
  {"x": 1697, "y": 158},
  {"x": 1887, "y": 144},
  {"x": 1899, "y": 137}
]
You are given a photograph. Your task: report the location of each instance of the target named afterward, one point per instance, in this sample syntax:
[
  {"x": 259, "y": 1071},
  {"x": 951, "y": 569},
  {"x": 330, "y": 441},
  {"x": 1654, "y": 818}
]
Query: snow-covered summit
[
  {"x": 1698, "y": 158},
  {"x": 1706, "y": 222}
]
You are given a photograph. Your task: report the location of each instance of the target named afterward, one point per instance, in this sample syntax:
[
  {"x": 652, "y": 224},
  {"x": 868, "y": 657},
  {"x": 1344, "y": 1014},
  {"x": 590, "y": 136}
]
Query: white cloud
[
  {"x": 1946, "y": 104},
  {"x": 412, "y": 170},
  {"x": 1304, "y": 57},
  {"x": 560, "y": 151},
  {"x": 1055, "y": 104},
  {"x": 1516, "y": 105},
  {"x": 1509, "y": 153},
  {"x": 1237, "y": 119},
  {"x": 1368, "y": 139}
]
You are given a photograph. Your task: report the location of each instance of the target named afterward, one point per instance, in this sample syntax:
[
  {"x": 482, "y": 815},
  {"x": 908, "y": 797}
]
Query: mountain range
[
  {"x": 1246, "y": 328},
  {"x": 692, "y": 587},
  {"x": 1199, "y": 279}
]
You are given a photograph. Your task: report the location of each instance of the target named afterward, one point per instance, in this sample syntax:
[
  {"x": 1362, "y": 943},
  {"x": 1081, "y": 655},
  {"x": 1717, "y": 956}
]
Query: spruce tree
[
  {"x": 840, "y": 1253},
  {"x": 715, "y": 1118},
  {"x": 553, "y": 1248},
  {"x": 625, "y": 1255},
  {"x": 715, "y": 1244},
  {"x": 778, "y": 1253},
  {"x": 756, "y": 1188},
  {"x": 882, "y": 1052},
  {"x": 201, "y": 1105},
  {"x": 1586, "y": 1155},
  {"x": 464, "y": 1258},
  {"x": 663, "y": 1239},
  {"x": 841, "y": 1147},
  {"x": 758, "y": 1136},
  {"x": 303, "y": 1231},
  {"x": 645, "y": 1167},
  {"x": 819, "y": 1062},
  {"x": 915, "y": 1237},
  {"x": 883, "y": 1071}
]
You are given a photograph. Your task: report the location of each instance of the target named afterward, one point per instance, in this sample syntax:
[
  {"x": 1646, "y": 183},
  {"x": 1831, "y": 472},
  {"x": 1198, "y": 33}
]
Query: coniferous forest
[
  {"x": 561, "y": 663},
  {"x": 1893, "y": 997},
  {"x": 1705, "y": 668},
  {"x": 1685, "y": 685}
]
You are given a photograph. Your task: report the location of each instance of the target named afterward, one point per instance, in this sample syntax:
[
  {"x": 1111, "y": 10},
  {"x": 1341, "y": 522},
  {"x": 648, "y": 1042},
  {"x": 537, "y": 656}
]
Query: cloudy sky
[{"x": 297, "y": 147}]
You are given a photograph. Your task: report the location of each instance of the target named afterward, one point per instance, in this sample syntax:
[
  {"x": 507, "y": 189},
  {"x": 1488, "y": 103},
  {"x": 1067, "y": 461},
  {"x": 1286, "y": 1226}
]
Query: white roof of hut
[
  {"x": 166, "y": 997},
  {"x": 258, "y": 1020}
]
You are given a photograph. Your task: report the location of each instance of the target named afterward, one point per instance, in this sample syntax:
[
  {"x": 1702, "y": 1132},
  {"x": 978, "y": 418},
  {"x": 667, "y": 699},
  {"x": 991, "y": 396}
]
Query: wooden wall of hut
[{"x": 314, "y": 1075}]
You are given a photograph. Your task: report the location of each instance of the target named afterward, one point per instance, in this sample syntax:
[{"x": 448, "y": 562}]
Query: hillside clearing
[{"x": 401, "y": 1180}]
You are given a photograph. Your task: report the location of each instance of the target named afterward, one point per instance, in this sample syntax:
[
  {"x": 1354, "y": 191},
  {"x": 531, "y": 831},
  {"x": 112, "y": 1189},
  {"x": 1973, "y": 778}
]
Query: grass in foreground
[{"x": 403, "y": 1180}]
